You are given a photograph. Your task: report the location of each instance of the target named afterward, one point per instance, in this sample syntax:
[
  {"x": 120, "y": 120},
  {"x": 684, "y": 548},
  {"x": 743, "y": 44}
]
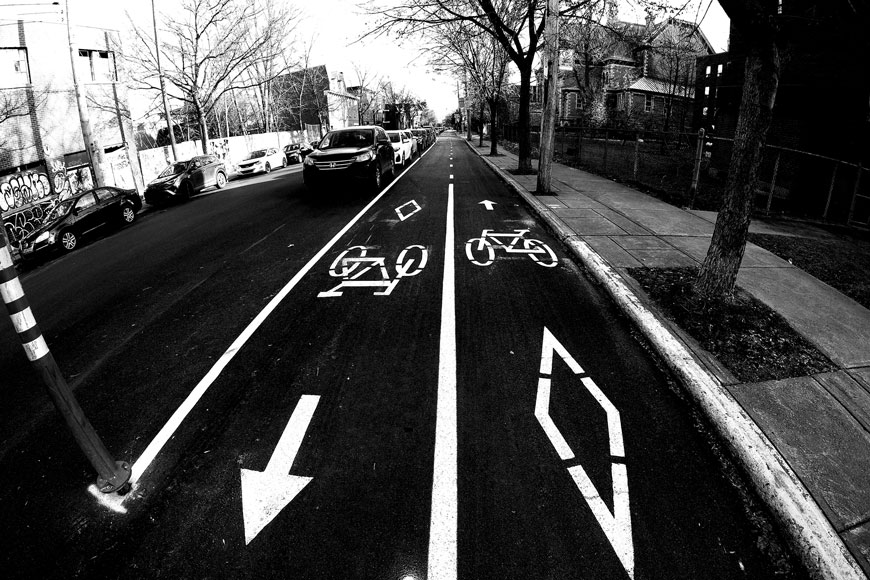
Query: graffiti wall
[{"x": 27, "y": 197}]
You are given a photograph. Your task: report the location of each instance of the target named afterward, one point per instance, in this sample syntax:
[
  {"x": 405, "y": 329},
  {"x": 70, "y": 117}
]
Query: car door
[
  {"x": 108, "y": 205},
  {"x": 86, "y": 213},
  {"x": 209, "y": 170},
  {"x": 197, "y": 174}
]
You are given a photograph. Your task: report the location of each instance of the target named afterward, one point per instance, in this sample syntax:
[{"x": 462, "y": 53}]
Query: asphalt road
[{"x": 409, "y": 401}]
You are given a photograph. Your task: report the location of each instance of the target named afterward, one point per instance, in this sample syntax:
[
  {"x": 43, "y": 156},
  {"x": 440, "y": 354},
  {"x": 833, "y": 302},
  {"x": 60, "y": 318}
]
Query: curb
[{"x": 811, "y": 534}]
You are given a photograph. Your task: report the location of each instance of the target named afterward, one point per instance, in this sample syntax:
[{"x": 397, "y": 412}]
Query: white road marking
[
  {"x": 451, "y": 165},
  {"x": 487, "y": 204},
  {"x": 616, "y": 525},
  {"x": 451, "y": 176},
  {"x": 266, "y": 493},
  {"x": 180, "y": 414},
  {"x": 443, "y": 522},
  {"x": 404, "y": 216}
]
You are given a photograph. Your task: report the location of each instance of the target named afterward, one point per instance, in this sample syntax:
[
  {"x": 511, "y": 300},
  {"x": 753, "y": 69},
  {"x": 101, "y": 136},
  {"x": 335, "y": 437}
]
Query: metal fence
[{"x": 790, "y": 182}]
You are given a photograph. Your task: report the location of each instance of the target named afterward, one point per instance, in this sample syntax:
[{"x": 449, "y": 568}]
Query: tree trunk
[
  {"x": 203, "y": 127},
  {"x": 493, "y": 136},
  {"x": 549, "y": 112},
  {"x": 482, "y": 124},
  {"x": 719, "y": 271},
  {"x": 524, "y": 164}
]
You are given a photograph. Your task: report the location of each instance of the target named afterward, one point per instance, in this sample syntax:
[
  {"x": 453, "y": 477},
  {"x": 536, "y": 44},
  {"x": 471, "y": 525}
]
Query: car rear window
[{"x": 394, "y": 137}]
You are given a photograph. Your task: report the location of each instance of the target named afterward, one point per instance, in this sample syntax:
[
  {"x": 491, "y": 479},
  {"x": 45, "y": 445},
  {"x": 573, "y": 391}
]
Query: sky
[{"x": 334, "y": 28}]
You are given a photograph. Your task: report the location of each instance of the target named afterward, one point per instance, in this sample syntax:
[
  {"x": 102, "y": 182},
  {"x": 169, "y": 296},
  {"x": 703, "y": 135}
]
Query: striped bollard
[{"x": 112, "y": 475}]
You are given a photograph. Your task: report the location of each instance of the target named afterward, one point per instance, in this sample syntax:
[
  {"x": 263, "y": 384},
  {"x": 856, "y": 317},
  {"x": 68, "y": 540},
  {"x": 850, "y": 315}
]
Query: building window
[
  {"x": 619, "y": 101},
  {"x": 719, "y": 70},
  {"x": 14, "y": 71},
  {"x": 779, "y": 7},
  {"x": 96, "y": 66},
  {"x": 709, "y": 70},
  {"x": 648, "y": 105},
  {"x": 705, "y": 111}
]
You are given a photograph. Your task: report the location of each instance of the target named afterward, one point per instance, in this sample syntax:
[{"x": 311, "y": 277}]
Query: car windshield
[
  {"x": 174, "y": 169},
  {"x": 291, "y": 147},
  {"x": 394, "y": 137},
  {"x": 359, "y": 138},
  {"x": 257, "y": 154}
]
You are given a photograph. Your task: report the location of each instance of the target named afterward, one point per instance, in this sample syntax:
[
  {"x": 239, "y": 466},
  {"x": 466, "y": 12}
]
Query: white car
[
  {"x": 401, "y": 146},
  {"x": 413, "y": 141},
  {"x": 261, "y": 161}
]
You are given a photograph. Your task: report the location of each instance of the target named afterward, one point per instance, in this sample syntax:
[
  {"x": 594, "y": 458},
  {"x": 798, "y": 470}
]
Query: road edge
[{"x": 812, "y": 535}]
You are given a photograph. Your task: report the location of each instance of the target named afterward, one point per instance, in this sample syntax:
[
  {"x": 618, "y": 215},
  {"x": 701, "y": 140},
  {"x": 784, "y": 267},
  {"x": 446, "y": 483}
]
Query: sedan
[
  {"x": 180, "y": 180},
  {"x": 261, "y": 161},
  {"x": 296, "y": 152},
  {"x": 77, "y": 216}
]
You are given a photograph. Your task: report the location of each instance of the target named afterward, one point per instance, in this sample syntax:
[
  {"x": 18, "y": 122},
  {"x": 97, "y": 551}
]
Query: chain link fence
[{"x": 691, "y": 171}]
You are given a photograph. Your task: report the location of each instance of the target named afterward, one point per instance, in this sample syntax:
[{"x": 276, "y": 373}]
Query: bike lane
[
  {"x": 576, "y": 459},
  {"x": 337, "y": 385}
]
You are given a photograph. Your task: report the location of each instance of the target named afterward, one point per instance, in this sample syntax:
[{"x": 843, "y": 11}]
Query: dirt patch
[
  {"x": 843, "y": 263},
  {"x": 751, "y": 340}
]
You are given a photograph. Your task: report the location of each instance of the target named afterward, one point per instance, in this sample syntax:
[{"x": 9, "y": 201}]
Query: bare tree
[
  {"x": 369, "y": 85},
  {"x": 517, "y": 25},
  {"x": 761, "y": 28},
  {"x": 15, "y": 104},
  {"x": 468, "y": 52},
  {"x": 211, "y": 47}
]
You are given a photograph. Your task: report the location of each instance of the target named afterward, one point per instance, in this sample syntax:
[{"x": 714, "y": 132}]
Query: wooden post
[
  {"x": 548, "y": 128},
  {"x": 112, "y": 475},
  {"x": 831, "y": 190},
  {"x": 696, "y": 170},
  {"x": 606, "y": 140},
  {"x": 773, "y": 182},
  {"x": 636, "y": 155},
  {"x": 855, "y": 193}
]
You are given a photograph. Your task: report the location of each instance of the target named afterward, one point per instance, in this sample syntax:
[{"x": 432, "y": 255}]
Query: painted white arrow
[
  {"x": 487, "y": 204},
  {"x": 266, "y": 493}
]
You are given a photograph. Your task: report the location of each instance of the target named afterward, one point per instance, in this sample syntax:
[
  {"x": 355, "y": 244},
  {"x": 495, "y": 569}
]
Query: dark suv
[
  {"x": 182, "y": 179},
  {"x": 363, "y": 154},
  {"x": 71, "y": 218}
]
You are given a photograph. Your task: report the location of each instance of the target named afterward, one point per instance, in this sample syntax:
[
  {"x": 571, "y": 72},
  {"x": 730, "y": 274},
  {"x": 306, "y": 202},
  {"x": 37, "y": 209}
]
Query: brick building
[
  {"x": 42, "y": 154},
  {"x": 821, "y": 103}
]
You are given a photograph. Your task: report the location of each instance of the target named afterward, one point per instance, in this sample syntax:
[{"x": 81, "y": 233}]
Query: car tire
[
  {"x": 283, "y": 162},
  {"x": 220, "y": 180},
  {"x": 268, "y": 168},
  {"x": 376, "y": 179},
  {"x": 128, "y": 214},
  {"x": 68, "y": 240}
]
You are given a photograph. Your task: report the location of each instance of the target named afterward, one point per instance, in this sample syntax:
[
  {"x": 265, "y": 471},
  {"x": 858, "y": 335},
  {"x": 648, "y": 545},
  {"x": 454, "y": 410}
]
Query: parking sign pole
[{"x": 112, "y": 475}]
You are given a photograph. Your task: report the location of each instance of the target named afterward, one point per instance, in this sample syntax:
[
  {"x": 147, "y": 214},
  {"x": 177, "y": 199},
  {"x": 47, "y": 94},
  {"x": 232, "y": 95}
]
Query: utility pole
[
  {"x": 92, "y": 146},
  {"x": 548, "y": 127},
  {"x": 112, "y": 475},
  {"x": 163, "y": 85}
]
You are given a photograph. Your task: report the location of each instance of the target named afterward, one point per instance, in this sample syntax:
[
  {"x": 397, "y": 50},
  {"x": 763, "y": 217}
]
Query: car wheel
[
  {"x": 221, "y": 180},
  {"x": 268, "y": 168},
  {"x": 68, "y": 240},
  {"x": 376, "y": 179},
  {"x": 283, "y": 162},
  {"x": 128, "y": 214}
]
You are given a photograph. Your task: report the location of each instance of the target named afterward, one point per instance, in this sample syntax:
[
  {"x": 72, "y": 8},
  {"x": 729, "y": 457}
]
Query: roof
[{"x": 656, "y": 86}]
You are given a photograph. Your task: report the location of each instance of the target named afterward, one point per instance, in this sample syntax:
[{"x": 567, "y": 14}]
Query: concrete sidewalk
[{"x": 819, "y": 424}]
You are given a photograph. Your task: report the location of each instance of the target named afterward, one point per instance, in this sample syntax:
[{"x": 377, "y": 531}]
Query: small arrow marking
[
  {"x": 266, "y": 493},
  {"x": 487, "y": 204}
]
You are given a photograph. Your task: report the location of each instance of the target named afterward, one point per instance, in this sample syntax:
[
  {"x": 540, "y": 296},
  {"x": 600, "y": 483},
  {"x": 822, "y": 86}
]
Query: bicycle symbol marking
[
  {"x": 353, "y": 264},
  {"x": 481, "y": 251}
]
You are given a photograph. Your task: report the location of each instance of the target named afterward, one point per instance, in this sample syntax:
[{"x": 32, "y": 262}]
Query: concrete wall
[{"x": 231, "y": 150}]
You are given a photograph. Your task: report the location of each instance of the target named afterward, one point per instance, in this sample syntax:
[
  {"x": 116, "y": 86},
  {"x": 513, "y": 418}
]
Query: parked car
[
  {"x": 401, "y": 146},
  {"x": 360, "y": 154},
  {"x": 180, "y": 180},
  {"x": 414, "y": 149},
  {"x": 261, "y": 161},
  {"x": 76, "y": 216},
  {"x": 296, "y": 152},
  {"x": 422, "y": 139}
]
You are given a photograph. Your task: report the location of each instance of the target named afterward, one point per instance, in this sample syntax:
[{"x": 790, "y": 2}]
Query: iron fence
[{"x": 790, "y": 182}]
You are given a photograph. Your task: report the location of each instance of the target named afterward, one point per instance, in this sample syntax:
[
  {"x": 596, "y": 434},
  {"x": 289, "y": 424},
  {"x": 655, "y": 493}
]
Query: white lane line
[
  {"x": 451, "y": 176},
  {"x": 180, "y": 414},
  {"x": 443, "y": 522},
  {"x": 451, "y": 165}
]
